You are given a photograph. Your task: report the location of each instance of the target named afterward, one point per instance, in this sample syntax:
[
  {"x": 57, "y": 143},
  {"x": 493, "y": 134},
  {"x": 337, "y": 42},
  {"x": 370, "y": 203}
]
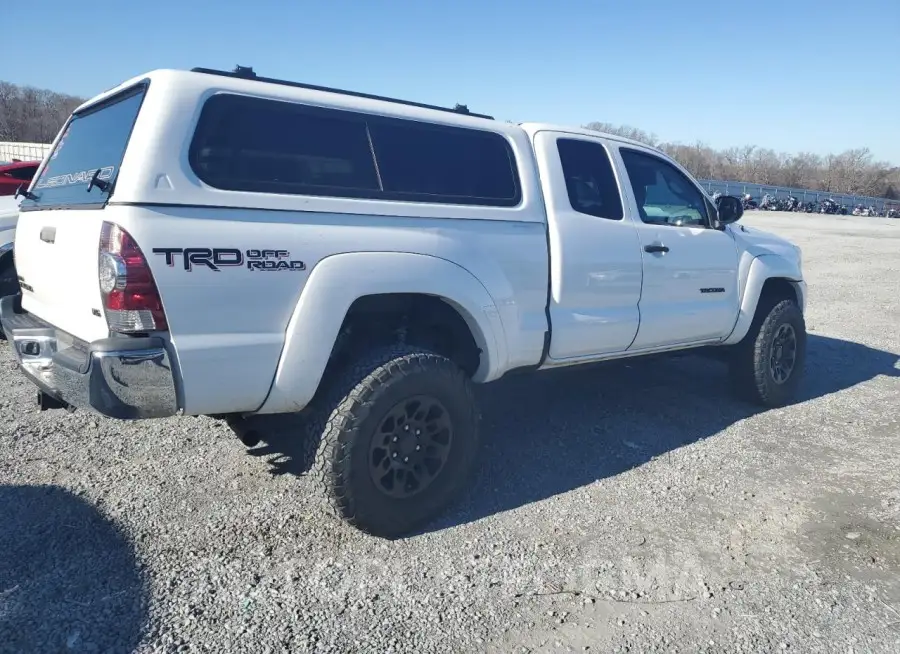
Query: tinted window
[
  {"x": 247, "y": 144},
  {"x": 590, "y": 181},
  {"x": 443, "y": 164},
  {"x": 24, "y": 174},
  {"x": 250, "y": 144},
  {"x": 93, "y": 140},
  {"x": 663, "y": 194}
]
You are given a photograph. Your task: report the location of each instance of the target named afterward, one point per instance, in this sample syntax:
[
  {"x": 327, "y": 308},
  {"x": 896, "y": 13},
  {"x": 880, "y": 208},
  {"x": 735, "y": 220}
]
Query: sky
[{"x": 792, "y": 75}]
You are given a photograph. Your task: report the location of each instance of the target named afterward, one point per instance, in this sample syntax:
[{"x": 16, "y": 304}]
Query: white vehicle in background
[
  {"x": 212, "y": 243},
  {"x": 9, "y": 214}
]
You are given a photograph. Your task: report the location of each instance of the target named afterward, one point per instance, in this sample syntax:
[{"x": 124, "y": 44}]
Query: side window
[
  {"x": 248, "y": 144},
  {"x": 663, "y": 194},
  {"x": 272, "y": 146},
  {"x": 590, "y": 181},
  {"x": 454, "y": 165}
]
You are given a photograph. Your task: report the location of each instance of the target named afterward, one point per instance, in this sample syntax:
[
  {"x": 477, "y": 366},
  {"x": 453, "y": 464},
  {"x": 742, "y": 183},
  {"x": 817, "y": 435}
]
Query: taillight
[{"x": 130, "y": 297}]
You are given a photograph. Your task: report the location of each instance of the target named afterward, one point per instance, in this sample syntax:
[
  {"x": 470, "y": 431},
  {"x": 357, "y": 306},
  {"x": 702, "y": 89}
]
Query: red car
[{"x": 13, "y": 175}]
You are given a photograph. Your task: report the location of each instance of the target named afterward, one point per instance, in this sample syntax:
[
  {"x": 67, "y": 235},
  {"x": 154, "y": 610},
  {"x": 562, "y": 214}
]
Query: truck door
[
  {"x": 690, "y": 291},
  {"x": 595, "y": 258}
]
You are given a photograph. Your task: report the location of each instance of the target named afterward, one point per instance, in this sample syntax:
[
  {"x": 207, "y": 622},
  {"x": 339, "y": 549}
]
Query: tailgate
[
  {"x": 56, "y": 260},
  {"x": 58, "y": 233}
]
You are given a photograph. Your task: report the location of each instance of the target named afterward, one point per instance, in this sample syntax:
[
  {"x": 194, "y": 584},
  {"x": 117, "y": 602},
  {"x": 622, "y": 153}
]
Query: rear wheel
[
  {"x": 767, "y": 366},
  {"x": 399, "y": 438},
  {"x": 9, "y": 285}
]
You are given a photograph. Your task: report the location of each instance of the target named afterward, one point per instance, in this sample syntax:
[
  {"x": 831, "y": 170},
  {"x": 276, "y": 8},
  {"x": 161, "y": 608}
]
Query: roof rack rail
[{"x": 246, "y": 72}]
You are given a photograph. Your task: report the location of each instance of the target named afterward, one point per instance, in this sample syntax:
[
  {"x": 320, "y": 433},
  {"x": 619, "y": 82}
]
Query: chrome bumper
[{"x": 122, "y": 377}]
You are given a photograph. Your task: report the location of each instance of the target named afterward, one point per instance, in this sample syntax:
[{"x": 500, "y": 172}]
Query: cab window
[
  {"x": 664, "y": 195},
  {"x": 590, "y": 181}
]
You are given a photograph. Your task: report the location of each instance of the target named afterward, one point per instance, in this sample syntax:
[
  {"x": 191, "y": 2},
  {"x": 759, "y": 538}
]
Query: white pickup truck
[{"x": 216, "y": 243}]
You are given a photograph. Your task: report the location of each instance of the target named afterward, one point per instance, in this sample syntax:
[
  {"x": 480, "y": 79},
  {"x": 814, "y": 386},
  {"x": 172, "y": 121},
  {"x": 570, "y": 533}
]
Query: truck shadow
[
  {"x": 551, "y": 432},
  {"x": 561, "y": 430},
  {"x": 52, "y": 598}
]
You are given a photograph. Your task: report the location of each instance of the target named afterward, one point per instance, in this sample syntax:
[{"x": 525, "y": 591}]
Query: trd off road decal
[{"x": 218, "y": 258}]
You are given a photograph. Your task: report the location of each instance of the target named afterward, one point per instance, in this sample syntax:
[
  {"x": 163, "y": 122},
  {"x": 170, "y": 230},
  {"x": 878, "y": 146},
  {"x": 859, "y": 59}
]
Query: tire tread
[
  {"x": 749, "y": 366},
  {"x": 350, "y": 393}
]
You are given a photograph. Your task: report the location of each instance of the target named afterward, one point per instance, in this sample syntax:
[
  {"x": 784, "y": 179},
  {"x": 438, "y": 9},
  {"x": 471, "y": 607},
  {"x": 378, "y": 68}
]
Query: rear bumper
[{"x": 121, "y": 377}]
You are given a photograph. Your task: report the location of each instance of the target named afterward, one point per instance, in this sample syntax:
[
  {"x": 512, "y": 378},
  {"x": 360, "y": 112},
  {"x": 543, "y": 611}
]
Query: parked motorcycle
[
  {"x": 770, "y": 203},
  {"x": 829, "y": 206}
]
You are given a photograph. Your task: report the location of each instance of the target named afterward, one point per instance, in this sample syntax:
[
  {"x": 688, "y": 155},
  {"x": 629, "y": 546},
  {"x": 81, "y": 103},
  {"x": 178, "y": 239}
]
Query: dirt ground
[{"x": 635, "y": 507}]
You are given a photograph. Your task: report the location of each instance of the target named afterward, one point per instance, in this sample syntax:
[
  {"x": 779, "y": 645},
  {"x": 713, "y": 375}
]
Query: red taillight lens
[{"x": 130, "y": 297}]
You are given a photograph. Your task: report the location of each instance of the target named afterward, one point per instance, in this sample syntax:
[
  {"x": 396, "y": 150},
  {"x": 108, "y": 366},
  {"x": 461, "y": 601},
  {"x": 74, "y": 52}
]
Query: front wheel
[
  {"x": 767, "y": 366},
  {"x": 399, "y": 437}
]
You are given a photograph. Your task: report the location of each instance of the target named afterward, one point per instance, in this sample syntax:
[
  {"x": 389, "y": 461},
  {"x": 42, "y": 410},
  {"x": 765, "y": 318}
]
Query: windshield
[{"x": 94, "y": 140}]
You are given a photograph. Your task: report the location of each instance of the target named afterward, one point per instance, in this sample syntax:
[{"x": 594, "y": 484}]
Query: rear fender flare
[{"x": 337, "y": 281}]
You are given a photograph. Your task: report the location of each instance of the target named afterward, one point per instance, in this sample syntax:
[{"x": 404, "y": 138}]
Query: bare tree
[
  {"x": 852, "y": 172},
  {"x": 31, "y": 115},
  {"x": 35, "y": 115},
  {"x": 626, "y": 131}
]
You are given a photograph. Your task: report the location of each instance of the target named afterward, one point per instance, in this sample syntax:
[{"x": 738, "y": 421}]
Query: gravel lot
[{"x": 634, "y": 507}]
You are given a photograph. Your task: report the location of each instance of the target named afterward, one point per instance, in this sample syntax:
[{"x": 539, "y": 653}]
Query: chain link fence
[
  {"x": 757, "y": 191},
  {"x": 10, "y": 152}
]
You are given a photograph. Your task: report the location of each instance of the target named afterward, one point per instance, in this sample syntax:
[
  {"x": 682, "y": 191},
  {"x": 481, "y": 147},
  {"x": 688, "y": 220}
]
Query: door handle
[
  {"x": 656, "y": 248},
  {"x": 48, "y": 234}
]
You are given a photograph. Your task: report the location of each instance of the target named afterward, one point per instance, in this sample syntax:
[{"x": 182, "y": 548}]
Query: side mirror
[{"x": 730, "y": 209}]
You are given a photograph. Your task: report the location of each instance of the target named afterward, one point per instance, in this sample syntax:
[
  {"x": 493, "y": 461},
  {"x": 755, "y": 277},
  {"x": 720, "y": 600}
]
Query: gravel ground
[{"x": 634, "y": 507}]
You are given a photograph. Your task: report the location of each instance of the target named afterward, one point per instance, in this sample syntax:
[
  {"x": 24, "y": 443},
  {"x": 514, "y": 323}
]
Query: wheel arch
[
  {"x": 771, "y": 278},
  {"x": 434, "y": 322},
  {"x": 343, "y": 287}
]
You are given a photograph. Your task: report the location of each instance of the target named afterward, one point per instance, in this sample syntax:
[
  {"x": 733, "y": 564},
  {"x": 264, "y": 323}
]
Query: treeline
[
  {"x": 853, "y": 172},
  {"x": 30, "y": 115}
]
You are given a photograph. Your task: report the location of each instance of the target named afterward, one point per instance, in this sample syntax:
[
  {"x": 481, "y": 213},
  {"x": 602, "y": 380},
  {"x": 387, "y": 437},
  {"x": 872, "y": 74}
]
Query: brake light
[{"x": 131, "y": 300}]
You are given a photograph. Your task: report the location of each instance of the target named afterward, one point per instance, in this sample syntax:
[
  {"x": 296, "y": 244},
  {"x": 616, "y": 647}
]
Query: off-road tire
[
  {"x": 9, "y": 285},
  {"x": 355, "y": 399},
  {"x": 750, "y": 371}
]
